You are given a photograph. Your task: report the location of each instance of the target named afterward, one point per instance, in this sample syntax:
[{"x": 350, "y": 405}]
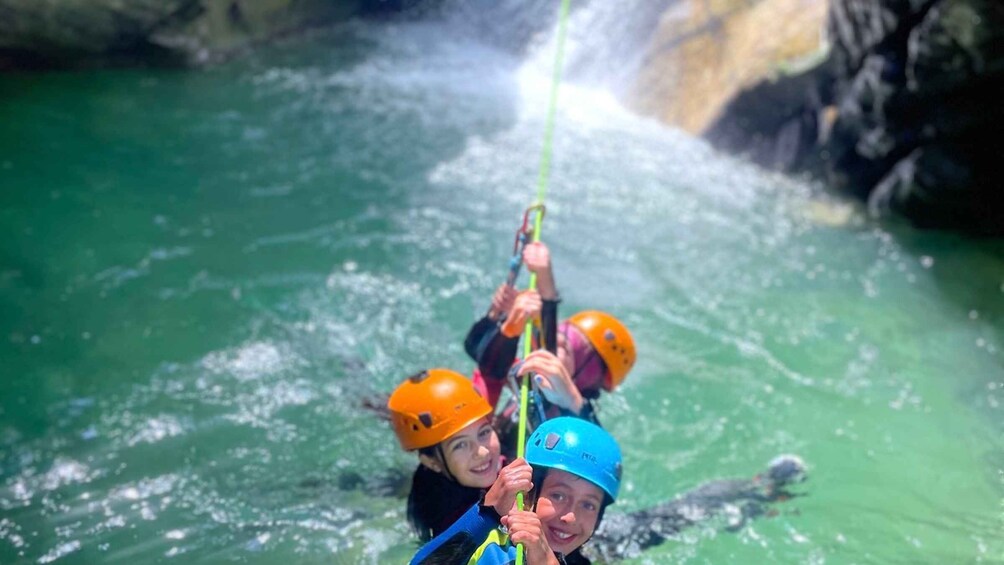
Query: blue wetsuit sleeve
[{"x": 476, "y": 524}]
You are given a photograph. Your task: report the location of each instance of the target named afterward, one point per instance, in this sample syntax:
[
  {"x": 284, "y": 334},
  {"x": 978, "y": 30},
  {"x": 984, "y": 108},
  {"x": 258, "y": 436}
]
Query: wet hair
[{"x": 436, "y": 501}]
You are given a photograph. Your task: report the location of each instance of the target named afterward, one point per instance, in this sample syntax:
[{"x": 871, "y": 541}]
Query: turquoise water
[{"x": 202, "y": 273}]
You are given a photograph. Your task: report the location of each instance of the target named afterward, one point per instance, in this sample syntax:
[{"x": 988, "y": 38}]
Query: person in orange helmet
[
  {"x": 440, "y": 414},
  {"x": 594, "y": 349}
]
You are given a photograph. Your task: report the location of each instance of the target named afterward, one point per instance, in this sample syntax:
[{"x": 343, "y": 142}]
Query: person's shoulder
[{"x": 495, "y": 552}]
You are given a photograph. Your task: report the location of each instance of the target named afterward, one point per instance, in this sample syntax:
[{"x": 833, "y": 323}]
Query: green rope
[{"x": 542, "y": 178}]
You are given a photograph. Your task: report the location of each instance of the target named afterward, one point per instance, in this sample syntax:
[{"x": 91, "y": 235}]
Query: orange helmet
[
  {"x": 433, "y": 405},
  {"x": 611, "y": 340}
]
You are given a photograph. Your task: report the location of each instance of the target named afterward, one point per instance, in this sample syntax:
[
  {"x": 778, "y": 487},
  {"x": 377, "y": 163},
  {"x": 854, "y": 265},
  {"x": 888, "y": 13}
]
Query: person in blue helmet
[{"x": 576, "y": 474}]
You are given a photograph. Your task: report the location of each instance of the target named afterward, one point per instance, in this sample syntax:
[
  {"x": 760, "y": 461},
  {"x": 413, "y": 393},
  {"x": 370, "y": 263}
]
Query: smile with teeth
[
  {"x": 560, "y": 535},
  {"x": 482, "y": 468}
]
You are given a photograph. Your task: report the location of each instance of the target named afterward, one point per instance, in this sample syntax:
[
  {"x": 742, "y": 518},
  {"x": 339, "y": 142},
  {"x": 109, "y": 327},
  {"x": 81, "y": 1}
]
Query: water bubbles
[
  {"x": 60, "y": 551},
  {"x": 156, "y": 429},
  {"x": 258, "y": 542},
  {"x": 63, "y": 472},
  {"x": 250, "y": 362},
  {"x": 798, "y": 537},
  {"x": 926, "y": 261}
]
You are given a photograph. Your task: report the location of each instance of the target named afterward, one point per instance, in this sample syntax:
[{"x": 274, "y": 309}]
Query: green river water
[{"x": 203, "y": 272}]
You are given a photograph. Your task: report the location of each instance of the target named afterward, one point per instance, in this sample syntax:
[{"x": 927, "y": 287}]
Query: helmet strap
[
  {"x": 441, "y": 457},
  {"x": 433, "y": 458}
]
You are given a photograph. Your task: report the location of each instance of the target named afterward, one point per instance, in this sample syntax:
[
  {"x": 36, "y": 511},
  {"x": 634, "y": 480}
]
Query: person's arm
[
  {"x": 483, "y": 343},
  {"x": 493, "y": 352},
  {"x": 538, "y": 261},
  {"x": 537, "y": 258},
  {"x": 553, "y": 381},
  {"x": 549, "y": 324},
  {"x": 480, "y": 334},
  {"x": 485, "y": 516}
]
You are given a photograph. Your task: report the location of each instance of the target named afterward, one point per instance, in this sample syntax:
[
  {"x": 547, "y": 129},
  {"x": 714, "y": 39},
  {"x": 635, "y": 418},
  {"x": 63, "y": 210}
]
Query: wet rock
[
  {"x": 38, "y": 34},
  {"x": 906, "y": 111}
]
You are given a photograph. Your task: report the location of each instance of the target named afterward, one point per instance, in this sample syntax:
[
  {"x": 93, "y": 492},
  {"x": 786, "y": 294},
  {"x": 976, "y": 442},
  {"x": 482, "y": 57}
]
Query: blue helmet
[{"x": 580, "y": 448}]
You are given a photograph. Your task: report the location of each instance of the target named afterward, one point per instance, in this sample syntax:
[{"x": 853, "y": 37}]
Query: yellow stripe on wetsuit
[{"x": 496, "y": 537}]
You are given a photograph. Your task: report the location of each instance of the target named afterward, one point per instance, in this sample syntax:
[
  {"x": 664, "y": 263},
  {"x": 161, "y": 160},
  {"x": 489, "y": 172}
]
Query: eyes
[
  {"x": 466, "y": 443},
  {"x": 559, "y": 497}
]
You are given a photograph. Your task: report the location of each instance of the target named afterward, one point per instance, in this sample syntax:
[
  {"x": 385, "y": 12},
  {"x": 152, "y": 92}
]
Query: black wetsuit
[
  {"x": 436, "y": 502},
  {"x": 495, "y": 354}
]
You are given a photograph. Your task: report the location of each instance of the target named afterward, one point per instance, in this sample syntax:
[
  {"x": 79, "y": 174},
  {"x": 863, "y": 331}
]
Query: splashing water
[{"x": 205, "y": 272}]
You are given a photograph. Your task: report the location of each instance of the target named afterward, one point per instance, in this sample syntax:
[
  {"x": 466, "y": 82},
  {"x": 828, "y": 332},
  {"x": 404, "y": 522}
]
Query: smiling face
[
  {"x": 577, "y": 503},
  {"x": 471, "y": 455}
]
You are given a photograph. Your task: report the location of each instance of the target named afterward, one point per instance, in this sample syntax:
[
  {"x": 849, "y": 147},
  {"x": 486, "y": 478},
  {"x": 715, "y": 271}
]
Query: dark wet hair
[{"x": 435, "y": 501}]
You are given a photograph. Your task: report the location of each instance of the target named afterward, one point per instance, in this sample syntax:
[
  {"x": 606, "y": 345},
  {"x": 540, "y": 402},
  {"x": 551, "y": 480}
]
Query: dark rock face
[
  {"x": 52, "y": 33},
  {"x": 44, "y": 34},
  {"x": 905, "y": 113}
]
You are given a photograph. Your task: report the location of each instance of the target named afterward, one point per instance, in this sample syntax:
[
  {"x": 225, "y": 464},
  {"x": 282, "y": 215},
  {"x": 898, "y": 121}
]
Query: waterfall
[
  {"x": 605, "y": 45},
  {"x": 606, "y": 42}
]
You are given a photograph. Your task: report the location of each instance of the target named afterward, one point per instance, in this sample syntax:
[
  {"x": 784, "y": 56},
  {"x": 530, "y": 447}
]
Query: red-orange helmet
[
  {"x": 611, "y": 340},
  {"x": 431, "y": 406}
]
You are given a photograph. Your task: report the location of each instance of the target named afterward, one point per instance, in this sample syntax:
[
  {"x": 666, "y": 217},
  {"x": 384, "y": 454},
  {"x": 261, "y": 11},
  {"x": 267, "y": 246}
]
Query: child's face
[
  {"x": 577, "y": 503},
  {"x": 472, "y": 455}
]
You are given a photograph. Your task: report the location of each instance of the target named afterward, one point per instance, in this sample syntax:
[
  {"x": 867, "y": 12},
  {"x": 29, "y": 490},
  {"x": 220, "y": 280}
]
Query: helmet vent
[
  {"x": 609, "y": 335},
  {"x": 419, "y": 377},
  {"x": 551, "y": 440},
  {"x": 426, "y": 419}
]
